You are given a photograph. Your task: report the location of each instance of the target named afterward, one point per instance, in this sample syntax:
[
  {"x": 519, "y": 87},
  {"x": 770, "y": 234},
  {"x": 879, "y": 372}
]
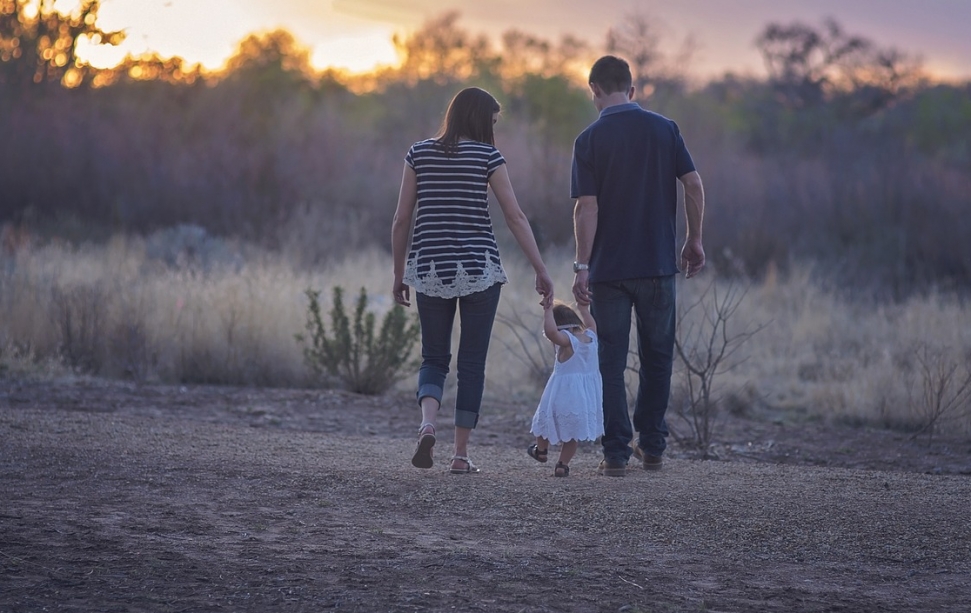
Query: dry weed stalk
[{"x": 79, "y": 316}]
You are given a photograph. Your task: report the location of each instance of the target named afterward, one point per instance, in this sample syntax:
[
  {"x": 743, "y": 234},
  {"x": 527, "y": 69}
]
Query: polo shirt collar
[{"x": 619, "y": 108}]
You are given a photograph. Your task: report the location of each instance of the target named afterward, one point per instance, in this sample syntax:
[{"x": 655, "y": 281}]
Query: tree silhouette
[
  {"x": 638, "y": 40},
  {"x": 272, "y": 55},
  {"x": 38, "y": 42},
  {"x": 808, "y": 66},
  {"x": 442, "y": 52},
  {"x": 150, "y": 67}
]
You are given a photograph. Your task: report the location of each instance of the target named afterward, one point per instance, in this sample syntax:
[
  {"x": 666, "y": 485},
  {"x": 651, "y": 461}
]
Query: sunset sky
[{"x": 356, "y": 34}]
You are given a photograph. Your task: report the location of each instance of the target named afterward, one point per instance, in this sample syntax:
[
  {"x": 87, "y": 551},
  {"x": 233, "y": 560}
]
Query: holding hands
[{"x": 544, "y": 287}]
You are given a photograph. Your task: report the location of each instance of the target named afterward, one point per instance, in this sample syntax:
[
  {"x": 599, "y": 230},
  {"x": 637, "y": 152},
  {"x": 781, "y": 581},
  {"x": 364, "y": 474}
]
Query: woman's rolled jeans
[{"x": 477, "y": 312}]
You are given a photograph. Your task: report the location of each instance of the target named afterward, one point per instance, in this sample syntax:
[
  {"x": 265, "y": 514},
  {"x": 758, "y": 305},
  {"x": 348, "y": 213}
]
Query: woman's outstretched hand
[{"x": 544, "y": 287}]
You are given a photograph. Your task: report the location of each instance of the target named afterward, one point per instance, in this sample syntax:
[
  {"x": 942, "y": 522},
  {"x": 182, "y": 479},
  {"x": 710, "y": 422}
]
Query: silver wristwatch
[{"x": 577, "y": 267}]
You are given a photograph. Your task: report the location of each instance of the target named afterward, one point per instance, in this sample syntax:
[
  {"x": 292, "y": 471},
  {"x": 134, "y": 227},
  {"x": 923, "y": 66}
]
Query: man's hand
[
  {"x": 581, "y": 288},
  {"x": 692, "y": 257}
]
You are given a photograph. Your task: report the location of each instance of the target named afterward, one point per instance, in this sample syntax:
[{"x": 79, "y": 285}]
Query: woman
[{"x": 453, "y": 262}]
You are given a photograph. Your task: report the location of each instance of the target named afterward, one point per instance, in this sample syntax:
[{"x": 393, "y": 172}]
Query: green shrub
[{"x": 352, "y": 354}]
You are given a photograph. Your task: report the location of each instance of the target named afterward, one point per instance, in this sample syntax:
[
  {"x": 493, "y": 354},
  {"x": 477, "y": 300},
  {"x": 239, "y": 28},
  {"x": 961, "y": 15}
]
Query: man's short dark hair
[{"x": 611, "y": 74}]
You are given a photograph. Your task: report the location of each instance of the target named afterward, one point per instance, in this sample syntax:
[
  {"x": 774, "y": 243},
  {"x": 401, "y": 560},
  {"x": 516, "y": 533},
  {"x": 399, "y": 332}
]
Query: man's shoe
[
  {"x": 611, "y": 469},
  {"x": 652, "y": 462},
  {"x": 649, "y": 462}
]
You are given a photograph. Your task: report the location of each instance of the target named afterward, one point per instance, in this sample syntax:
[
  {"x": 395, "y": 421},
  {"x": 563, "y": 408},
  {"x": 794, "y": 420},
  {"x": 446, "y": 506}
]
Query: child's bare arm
[
  {"x": 587, "y": 317},
  {"x": 557, "y": 337}
]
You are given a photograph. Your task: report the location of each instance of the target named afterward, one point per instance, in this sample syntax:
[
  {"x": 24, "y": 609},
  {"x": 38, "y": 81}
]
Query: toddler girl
[{"x": 571, "y": 409}]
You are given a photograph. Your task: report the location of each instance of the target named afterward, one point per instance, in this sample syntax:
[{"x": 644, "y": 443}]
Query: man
[{"x": 626, "y": 166}]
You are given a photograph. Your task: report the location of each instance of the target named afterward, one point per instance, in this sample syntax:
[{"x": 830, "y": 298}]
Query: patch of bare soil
[{"x": 122, "y": 498}]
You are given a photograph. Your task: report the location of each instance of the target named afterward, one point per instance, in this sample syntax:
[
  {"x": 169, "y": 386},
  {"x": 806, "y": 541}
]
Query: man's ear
[
  {"x": 598, "y": 92},
  {"x": 630, "y": 94}
]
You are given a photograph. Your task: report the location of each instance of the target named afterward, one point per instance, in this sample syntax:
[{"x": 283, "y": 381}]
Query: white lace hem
[{"x": 462, "y": 284}]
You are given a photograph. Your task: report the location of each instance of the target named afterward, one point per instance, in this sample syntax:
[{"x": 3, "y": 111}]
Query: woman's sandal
[
  {"x": 561, "y": 470},
  {"x": 540, "y": 455},
  {"x": 423, "y": 453},
  {"x": 469, "y": 466}
]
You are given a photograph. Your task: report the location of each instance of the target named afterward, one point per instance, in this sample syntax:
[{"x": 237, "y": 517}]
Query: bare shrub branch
[
  {"x": 530, "y": 346},
  {"x": 706, "y": 347},
  {"x": 944, "y": 394}
]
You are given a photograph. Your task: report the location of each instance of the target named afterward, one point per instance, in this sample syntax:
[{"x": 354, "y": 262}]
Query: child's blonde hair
[{"x": 565, "y": 316}]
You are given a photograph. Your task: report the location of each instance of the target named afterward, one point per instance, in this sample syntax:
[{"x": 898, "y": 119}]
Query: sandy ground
[{"x": 124, "y": 498}]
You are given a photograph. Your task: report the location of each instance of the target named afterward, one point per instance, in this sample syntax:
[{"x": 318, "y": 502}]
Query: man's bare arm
[
  {"x": 584, "y": 229},
  {"x": 693, "y": 252}
]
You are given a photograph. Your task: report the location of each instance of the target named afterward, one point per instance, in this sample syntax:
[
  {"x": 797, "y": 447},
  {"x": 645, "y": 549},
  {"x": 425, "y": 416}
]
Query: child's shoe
[{"x": 540, "y": 455}]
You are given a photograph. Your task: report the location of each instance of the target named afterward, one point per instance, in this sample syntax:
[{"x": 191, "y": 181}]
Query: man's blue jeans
[
  {"x": 477, "y": 313},
  {"x": 653, "y": 302}
]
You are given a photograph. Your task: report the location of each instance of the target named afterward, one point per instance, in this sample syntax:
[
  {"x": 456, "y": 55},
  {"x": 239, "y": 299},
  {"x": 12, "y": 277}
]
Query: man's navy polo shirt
[{"x": 630, "y": 159}]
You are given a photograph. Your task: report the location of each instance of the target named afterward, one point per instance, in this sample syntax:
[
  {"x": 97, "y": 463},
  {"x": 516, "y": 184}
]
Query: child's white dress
[{"x": 572, "y": 403}]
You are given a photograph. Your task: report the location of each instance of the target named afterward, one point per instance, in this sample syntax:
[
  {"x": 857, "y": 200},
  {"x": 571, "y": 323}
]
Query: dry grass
[{"x": 116, "y": 311}]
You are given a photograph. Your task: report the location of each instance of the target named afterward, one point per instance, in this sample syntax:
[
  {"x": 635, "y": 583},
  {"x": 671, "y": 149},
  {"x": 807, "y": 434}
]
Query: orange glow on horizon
[
  {"x": 355, "y": 55},
  {"x": 355, "y": 36}
]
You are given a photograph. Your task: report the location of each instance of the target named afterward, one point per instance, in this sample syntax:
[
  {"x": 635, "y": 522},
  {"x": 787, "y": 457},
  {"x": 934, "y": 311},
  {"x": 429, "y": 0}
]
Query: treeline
[{"x": 846, "y": 154}]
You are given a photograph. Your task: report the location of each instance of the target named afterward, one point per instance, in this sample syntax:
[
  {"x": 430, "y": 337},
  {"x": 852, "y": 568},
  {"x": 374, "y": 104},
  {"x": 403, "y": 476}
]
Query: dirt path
[{"x": 117, "y": 498}]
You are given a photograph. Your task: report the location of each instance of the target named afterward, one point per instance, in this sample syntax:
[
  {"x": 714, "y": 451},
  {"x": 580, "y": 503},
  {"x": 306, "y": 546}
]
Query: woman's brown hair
[{"x": 469, "y": 116}]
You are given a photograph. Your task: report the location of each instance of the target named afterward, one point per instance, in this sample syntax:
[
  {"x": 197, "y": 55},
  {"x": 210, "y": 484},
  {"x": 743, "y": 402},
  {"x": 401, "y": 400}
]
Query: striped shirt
[{"x": 453, "y": 248}]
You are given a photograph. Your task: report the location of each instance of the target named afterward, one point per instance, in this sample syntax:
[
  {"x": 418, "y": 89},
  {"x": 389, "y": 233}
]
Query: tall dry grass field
[{"x": 118, "y": 310}]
